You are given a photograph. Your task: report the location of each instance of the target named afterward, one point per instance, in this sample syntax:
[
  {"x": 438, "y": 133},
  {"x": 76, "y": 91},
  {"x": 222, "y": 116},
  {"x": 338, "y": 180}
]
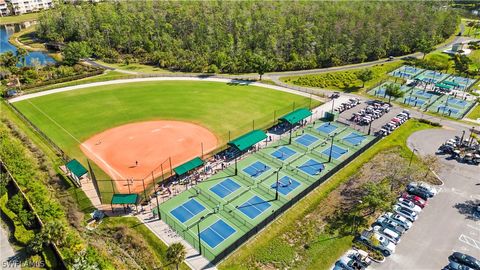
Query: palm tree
[
  {"x": 21, "y": 56},
  {"x": 393, "y": 90},
  {"x": 176, "y": 253}
]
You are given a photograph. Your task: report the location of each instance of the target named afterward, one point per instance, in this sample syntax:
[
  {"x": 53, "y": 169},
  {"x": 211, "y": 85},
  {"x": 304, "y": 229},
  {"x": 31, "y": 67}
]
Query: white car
[
  {"x": 426, "y": 187},
  {"x": 406, "y": 212},
  {"x": 401, "y": 220},
  {"x": 409, "y": 204},
  {"x": 378, "y": 241},
  {"x": 391, "y": 235}
]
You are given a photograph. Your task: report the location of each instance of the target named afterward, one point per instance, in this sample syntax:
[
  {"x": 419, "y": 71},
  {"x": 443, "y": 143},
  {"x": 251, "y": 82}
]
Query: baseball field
[{"x": 129, "y": 129}]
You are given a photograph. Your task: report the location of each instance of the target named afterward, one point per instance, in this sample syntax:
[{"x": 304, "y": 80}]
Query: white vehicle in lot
[
  {"x": 409, "y": 204},
  {"x": 406, "y": 212},
  {"x": 424, "y": 186},
  {"x": 400, "y": 220},
  {"x": 391, "y": 235},
  {"x": 378, "y": 241}
]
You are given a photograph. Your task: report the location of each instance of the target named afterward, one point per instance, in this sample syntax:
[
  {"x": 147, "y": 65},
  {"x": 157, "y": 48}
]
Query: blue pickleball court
[
  {"x": 447, "y": 110},
  {"x": 256, "y": 169},
  {"x": 254, "y": 207},
  {"x": 354, "y": 138},
  {"x": 312, "y": 167},
  {"x": 327, "y": 128},
  {"x": 306, "y": 140},
  {"x": 285, "y": 185},
  {"x": 457, "y": 102},
  {"x": 283, "y": 153},
  {"x": 337, "y": 151},
  {"x": 424, "y": 94},
  {"x": 414, "y": 102},
  {"x": 225, "y": 188},
  {"x": 187, "y": 210},
  {"x": 216, "y": 233}
]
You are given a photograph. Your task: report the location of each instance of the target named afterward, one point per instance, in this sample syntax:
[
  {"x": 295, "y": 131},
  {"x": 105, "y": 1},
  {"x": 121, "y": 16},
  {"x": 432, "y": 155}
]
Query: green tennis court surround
[
  {"x": 124, "y": 199},
  {"x": 296, "y": 116},
  {"x": 188, "y": 166},
  {"x": 248, "y": 140}
]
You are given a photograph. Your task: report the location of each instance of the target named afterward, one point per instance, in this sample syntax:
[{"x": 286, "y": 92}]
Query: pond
[{"x": 7, "y": 30}]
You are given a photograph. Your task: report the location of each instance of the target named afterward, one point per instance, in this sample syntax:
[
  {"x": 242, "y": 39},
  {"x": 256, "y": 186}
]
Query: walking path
[{"x": 7, "y": 253}]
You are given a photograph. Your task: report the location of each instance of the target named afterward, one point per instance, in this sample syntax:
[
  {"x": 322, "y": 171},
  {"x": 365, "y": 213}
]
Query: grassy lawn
[
  {"x": 474, "y": 113},
  {"x": 470, "y": 31},
  {"x": 19, "y": 18},
  {"x": 218, "y": 106},
  {"x": 344, "y": 80},
  {"x": 155, "y": 245},
  {"x": 26, "y": 40},
  {"x": 269, "y": 247},
  {"x": 135, "y": 67},
  {"x": 475, "y": 56}
]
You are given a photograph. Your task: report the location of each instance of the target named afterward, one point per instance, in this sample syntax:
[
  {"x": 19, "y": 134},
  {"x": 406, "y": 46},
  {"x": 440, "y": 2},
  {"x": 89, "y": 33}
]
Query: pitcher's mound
[{"x": 133, "y": 151}]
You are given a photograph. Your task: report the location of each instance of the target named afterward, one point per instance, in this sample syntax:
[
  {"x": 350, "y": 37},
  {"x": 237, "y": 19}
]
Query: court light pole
[
  {"x": 370, "y": 127},
  {"x": 331, "y": 149},
  {"x": 236, "y": 171},
  {"x": 198, "y": 233},
  {"x": 276, "y": 188},
  {"x": 411, "y": 156}
]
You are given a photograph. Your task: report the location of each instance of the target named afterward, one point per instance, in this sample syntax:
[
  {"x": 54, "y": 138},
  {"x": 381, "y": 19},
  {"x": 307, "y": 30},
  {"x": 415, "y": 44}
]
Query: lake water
[{"x": 6, "y": 31}]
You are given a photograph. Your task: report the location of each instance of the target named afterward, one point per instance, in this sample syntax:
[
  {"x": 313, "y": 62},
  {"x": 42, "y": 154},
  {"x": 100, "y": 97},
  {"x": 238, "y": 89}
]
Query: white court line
[
  {"x": 469, "y": 241},
  {"x": 84, "y": 145}
]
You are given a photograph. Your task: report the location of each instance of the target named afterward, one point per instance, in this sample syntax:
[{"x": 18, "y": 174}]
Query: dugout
[
  {"x": 186, "y": 168},
  {"x": 296, "y": 116},
  {"x": 443, "y": 87},
  {"x": 248, "y": 140},
  {"x": 75, "y": 171},
  {"x": 124, "y": 200}
]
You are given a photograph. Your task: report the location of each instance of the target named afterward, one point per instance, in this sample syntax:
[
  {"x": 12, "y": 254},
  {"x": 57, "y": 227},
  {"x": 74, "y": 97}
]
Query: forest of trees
[{"x": 244, "y": 36}]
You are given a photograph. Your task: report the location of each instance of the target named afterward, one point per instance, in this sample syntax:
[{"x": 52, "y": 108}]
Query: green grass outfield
[{"x": 219, "y": 107}]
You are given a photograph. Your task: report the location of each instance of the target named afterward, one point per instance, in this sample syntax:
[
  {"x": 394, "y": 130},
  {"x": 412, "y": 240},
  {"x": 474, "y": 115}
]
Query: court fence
[{"x": 216, "y": 258}]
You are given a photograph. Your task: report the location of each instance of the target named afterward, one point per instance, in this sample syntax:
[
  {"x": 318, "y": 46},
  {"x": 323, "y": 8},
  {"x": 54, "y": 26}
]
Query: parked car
[
  {"x": 418, "y": 192},
  {"x": 390, "y": 224},
  {"x": 408, "y": 204},
  {"x": 391, "y": 235},
  {"x": 464, "y": 259},
  {"x": 406, "y": 212},
  {"x": 353, "y": 260},
  {"x": 422, "y": 185},
  {"x": 457, "y": 266},
  {"x": 377, "y": 241},
  {"x": 415, "y": 199},
  {"x": 400, "y": 220}
]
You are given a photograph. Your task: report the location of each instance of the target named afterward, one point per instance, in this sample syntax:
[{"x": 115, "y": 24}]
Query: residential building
[
  {"x": 27, "y": 6},
  {"x": 4, "y": 11}
]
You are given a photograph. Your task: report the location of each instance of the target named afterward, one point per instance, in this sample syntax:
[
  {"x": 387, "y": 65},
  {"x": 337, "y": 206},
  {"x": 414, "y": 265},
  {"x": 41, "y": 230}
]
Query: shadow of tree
[{"x": 469, "y": 209}]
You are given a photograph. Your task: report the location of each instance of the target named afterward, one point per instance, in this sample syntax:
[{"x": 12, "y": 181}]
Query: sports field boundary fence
[{"x": 56, "y": 251}]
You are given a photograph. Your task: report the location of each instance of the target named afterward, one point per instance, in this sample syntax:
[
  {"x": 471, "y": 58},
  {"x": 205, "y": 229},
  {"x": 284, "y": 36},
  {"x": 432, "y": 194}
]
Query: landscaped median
[{"x": 299, "y": 238}]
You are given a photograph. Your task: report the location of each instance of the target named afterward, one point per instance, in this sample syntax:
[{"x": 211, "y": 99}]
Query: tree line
[{"x": 247, "y": 36}]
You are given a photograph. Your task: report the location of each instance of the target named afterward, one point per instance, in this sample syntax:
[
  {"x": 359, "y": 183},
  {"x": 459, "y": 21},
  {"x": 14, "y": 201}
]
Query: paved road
[
  {"x": 6, "y": 251},
  {"x": 447, "y": 223}
]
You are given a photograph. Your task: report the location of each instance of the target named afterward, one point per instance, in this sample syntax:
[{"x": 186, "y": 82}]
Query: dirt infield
[{"x": 151, "y": 143}]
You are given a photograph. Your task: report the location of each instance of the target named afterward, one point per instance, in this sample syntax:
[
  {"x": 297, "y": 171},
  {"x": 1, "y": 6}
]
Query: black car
[
  {"x": 465, "y": 259},
  {"x": 418, "y": 192}
]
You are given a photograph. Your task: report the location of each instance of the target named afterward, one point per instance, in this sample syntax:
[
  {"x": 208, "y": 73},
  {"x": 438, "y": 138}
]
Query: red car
[{"x": 415, "y": 199}]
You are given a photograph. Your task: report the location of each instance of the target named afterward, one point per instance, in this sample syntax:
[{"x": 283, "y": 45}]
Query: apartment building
[
  {"x": 4, "y": 11},
  {"x": 27, "y": 6}
]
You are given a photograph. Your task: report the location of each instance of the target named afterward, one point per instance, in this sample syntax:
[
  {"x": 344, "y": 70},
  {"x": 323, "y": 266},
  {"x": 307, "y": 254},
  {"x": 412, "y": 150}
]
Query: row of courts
[
  {"x": 453, "y": 106},
  {"x": 222, "y": 212},
  {"x": 445, "y": 80}
]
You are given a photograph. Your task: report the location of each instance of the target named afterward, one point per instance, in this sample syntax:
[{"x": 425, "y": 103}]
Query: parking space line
[
  {"x": 469, "y": 241},
  {"x": 474, "y": 227}
]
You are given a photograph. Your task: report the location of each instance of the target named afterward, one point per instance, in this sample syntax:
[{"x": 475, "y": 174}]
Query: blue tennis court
[
  {"x": 225, "y": 188},
  {"x": 354, "y": 138},
  {"x": 283, "y": 153},
  {"x": 306, "y": 140},
  {"x": 256, "y": 169},
  {"x": 327, "y": 128},
  {"x": 447, "y": 110},
  {"x": 216, "y": 233},
  {"x": 312, "y": 167},
  {"x": 414, "y": 101},
  {"x": 457, "y": 102},
  {"x": 337, "y": 151},
  {"x": 187, "y": 210},
  {"x": 424, "y": 94},
  {"x": 285, "y": 185},
  {"x": 254, "y": 207}
]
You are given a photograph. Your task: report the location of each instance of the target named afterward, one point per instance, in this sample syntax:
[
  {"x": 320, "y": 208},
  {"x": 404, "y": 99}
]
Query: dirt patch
[{"x": 133, "y": 151}]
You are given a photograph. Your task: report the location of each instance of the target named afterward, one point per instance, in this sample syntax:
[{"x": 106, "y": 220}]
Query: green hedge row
[
  {"x": 434, "y": 124},
  {"x": 21, "y": 234},
  {"x": 62, "y": 80}
]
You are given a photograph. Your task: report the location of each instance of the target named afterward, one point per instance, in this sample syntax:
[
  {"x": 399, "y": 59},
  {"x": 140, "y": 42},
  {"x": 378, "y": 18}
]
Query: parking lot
[{"x": 448, "y": 223}]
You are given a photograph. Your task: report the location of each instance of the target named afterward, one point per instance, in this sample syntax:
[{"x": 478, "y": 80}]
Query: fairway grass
[{"x": 70, "y": 118}]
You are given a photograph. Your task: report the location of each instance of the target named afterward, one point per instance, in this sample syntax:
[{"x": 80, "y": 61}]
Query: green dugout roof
[
  {"x": 296, "y": 116},
  {"x": 76, "y": 168},
  {"x": 451, "y": 83},
  {"x": 444, "y": 86},
  {"x": 247, "y": 140},
  {"x": 124, "y": 199},
  {"x": 188, "y": 166}
]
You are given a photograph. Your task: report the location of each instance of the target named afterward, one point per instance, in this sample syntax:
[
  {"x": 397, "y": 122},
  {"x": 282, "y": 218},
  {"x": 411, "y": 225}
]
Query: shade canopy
[
  {"x": 296, "y": 116},
  {"x": 188, "y": 166},
  {"x": 76, "y": 168},
  {"x": 444, "y": 86},
  {"x": 124, "y": 199},
  {"x": 248, "y": 140},
  {"x": 451, "y": 83}
]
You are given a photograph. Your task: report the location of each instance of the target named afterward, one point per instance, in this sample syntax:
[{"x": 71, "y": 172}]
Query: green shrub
[
  {"x": 434, "y": 124},
  {"x": 49, "y": 258},
  {"x": 21, "y": 234}
]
